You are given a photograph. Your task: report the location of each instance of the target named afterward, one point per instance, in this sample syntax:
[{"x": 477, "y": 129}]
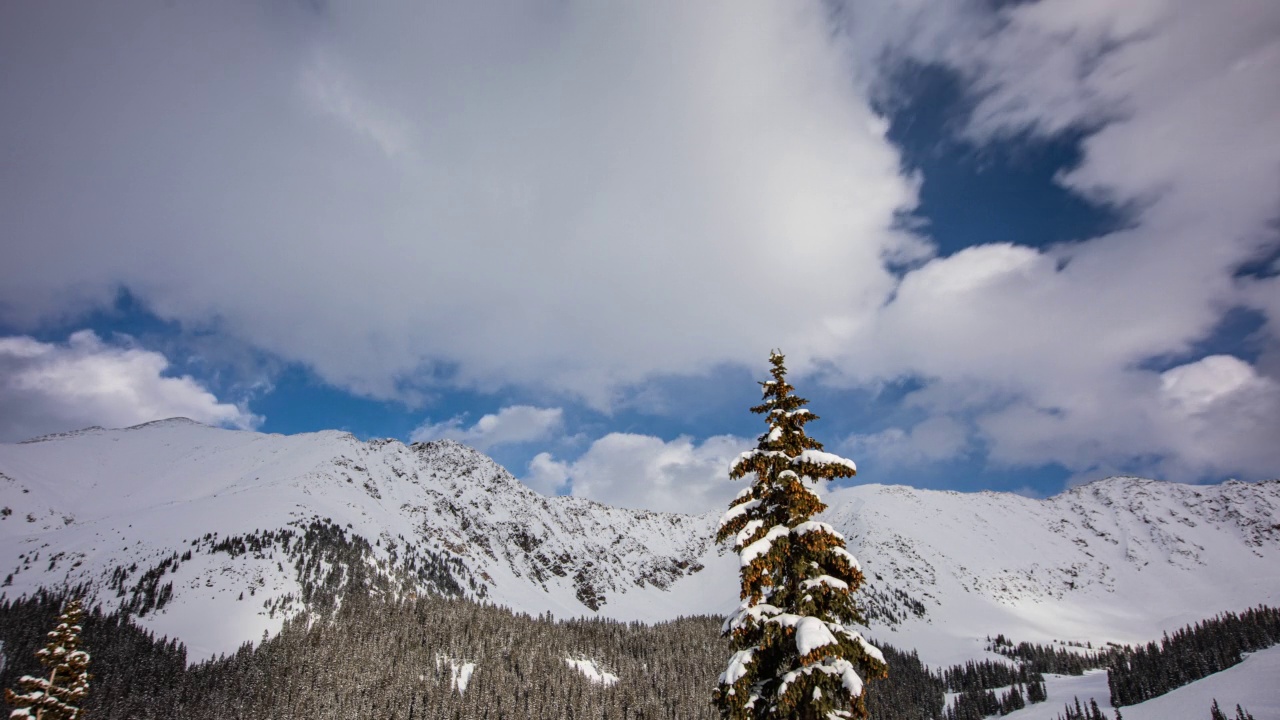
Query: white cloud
[
  {"x": 932, "y": 440},
  {"x": 583, "y": 196},
  {"x": 642, "y": 471},
  {"x": 567, "y": 195},
  {"x": 1054, "y": 353},
  {"x": 512, "y": 424},
  {"x": 48, "y": 387}
]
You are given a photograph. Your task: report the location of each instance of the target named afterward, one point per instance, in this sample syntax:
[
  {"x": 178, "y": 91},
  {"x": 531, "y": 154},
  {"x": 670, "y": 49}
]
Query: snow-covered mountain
[{"x": 214, "y": 536}]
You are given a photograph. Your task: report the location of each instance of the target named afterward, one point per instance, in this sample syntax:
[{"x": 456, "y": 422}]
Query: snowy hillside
[
  {"x": 1251, "y": 684},
  {"x": 213, "y": 536},
  {"x": 86, "y": 506}
]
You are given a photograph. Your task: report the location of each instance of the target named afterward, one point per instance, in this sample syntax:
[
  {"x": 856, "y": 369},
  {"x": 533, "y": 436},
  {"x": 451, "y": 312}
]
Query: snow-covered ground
[
  {"x": 1254, "y": 684},
  {"x": 592, "y": 672},
  {"x": 944, "y": 570}
]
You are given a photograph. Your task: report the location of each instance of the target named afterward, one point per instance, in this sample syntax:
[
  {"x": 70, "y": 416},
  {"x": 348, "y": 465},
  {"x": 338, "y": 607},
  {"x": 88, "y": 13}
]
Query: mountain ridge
[{"x": 944, "y": 569}]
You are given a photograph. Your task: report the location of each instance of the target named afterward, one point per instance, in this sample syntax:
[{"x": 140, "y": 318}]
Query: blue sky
[{"x": 1010, "y": 247}]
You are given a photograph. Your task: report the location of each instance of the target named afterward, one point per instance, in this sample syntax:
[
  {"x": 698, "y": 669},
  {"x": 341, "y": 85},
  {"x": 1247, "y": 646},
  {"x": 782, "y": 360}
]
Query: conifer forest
[{"x": 402, "y": 660}]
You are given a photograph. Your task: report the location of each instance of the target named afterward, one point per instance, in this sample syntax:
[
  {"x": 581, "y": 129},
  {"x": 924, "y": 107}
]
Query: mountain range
[{"x": 215, "y": 536}]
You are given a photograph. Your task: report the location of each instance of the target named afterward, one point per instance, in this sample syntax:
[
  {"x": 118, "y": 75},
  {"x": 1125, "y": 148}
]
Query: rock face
[{"x": 215, "y": 536}]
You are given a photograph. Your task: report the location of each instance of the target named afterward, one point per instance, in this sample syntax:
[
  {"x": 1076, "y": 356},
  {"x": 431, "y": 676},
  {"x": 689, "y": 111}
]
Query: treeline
[
  {"x": 977, "y": 683},
  {"x": 1194, "y": 652},
  {"x": 131, "y": 667},
  {"x": 376, "y": 656},
  {"x": 398, "y": 660},
  {"x": 911, "y": 692},
  {"x": 1051, "y": 659}
]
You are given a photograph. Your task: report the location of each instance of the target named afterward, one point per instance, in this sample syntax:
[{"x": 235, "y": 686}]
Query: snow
[
  {"x": 809, "y": 526},
  {"x": 738, "y": 511},
  {"x": 737, "y": 667},
  {"x": 818, "y": 457},
  {"x": 748, "y": 531},
  {"x": 811, "y": 634},
  {"x": 806, "y": 458},
  {"x": 849, "y": 558},
  {"x": 763, "y": 545},
  {"x": 1252, "y": 684},
  {"x": 592, "y": 671},
  {"x": 831, "y": 666},
  {"x": 751, "y": 454},
  {"x": 827, "y": 580},
  {"x": 460, "y": 671}
]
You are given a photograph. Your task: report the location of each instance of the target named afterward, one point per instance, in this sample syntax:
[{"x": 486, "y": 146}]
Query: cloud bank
[
  {"x": 568, "y": 195},
  {"x": 577, "y": 198}
]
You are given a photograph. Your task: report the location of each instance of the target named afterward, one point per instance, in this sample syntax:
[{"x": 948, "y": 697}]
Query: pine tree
[
  {"x": 59, "y": 696},
  {"x": 796, "y": 653}
]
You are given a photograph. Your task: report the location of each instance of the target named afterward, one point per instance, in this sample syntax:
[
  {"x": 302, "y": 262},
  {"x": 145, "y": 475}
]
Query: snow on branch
[
  {"x": 848, "y": 557},
  {"x": 737, "y": 667},
  {"x": 818, "y": 457},
  {"x": 831, "y": 666},
  {"x": 809, "y": 526},
  {"x": 763, "y": 545},
  {"x": 738, "y": 511}
]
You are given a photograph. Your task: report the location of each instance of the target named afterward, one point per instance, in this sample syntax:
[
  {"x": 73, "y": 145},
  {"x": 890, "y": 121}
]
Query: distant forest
[{"x": 399, "y": 661}]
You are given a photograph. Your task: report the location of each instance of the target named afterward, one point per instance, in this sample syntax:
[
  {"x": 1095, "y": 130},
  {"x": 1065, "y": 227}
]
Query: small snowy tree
[
  {"x": 796, "y": 652},
  {"x": 59, "y": 696}
]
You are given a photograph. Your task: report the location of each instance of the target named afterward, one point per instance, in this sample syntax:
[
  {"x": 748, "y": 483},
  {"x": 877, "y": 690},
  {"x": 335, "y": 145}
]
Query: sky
[{"x": 1011, "y": 246}]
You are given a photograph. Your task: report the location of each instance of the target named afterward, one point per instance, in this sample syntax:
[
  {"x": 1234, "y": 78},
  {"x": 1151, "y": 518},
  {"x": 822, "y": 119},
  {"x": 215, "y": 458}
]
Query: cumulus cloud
[
  {"x": 580, "y": 197},
  {"x": 1059, "y": 354},
  {"x": 52, "y": 387},
  {"x": 512, "y": 424},
  {"x": 571, "y": 195},
  {"x": 642, "y": 471}
]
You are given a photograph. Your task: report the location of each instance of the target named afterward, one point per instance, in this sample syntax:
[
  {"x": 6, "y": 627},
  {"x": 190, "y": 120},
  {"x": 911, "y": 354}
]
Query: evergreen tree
[
  {"x": 59, "y": 696},
  {"x": 1241, "y": 713},
  {"x": 796, "y": 652}
]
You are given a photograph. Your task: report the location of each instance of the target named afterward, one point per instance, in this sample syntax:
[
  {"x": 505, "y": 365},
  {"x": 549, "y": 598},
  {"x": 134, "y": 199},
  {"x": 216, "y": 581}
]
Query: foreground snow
[{"x": 1254, "y": 684}]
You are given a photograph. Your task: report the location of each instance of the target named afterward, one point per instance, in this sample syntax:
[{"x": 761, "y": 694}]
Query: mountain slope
[
  {"x": 85, "y": 505},
  {"x": 247, "y": 528}
]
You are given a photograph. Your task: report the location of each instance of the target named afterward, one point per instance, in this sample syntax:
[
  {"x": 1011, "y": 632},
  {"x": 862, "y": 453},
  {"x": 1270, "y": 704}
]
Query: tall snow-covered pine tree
[
  {"x": 59, "y": 696},
  {"x": 797, "y": 655}
]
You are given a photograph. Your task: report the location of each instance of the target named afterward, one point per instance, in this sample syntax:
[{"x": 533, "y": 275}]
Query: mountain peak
[{"x": 167, "y": 422}]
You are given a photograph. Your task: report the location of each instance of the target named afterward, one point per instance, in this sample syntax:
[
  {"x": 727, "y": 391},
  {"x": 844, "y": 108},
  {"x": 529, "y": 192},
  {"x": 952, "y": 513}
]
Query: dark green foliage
[
  {"x": 1037, "y": 692},
  {"x": 911, "y": 692},
  {"x": 376, "y": 652},
  {"x": 60, "y": 695},
  {"x": 973, "y": 705},
  {"x": 135, "y": 674},
  {"x": 385, "y": 659},
  {"x": 796, "y": 654},
  {"x": 987, "y": 675},
  {"x": 1055, "y": 660},
  {"x": 1078, "y": 712},
  {"x": 1196, "y": 651},
  {"x": 1215, "y": 713}
]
